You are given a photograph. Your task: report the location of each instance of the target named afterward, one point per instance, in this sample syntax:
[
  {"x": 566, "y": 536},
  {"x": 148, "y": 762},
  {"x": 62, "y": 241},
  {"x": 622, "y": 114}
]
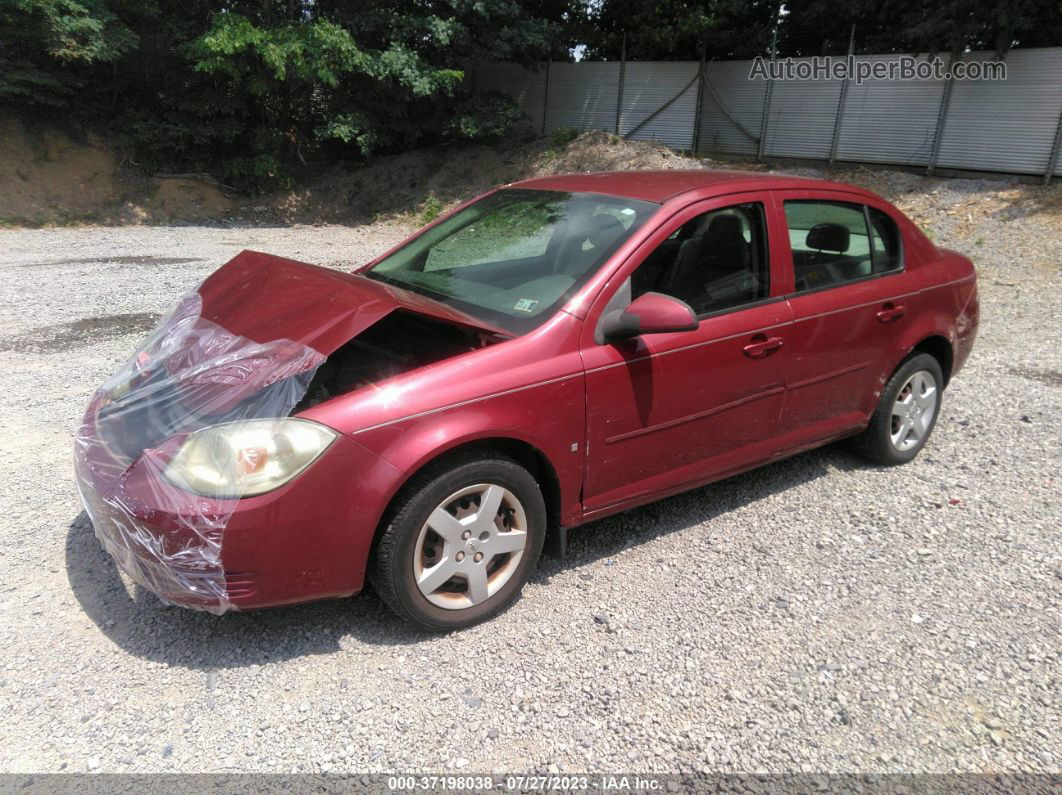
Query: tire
[
  {"x": 885, "y": 441},
  {"x": 420, "y": 546}
]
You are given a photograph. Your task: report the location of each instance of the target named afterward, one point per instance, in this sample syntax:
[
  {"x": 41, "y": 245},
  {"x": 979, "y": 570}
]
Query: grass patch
[
  {"x": 431, "y": 209},
  {"x": 562, "y": 136}
]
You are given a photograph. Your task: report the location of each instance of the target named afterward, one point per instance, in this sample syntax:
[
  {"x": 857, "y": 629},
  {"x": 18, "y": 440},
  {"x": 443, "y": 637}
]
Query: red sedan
[{"x": 550, "y": 353}]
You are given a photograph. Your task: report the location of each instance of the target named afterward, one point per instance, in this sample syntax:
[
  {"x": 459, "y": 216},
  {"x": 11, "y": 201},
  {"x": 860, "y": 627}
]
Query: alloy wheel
[
  {"x": 470, "y": 546},
  {"x": 913, "y": 411}
]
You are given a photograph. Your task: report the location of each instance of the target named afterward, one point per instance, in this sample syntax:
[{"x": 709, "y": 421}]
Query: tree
[
  {"x": 821, "y": 27},
  {"x": 45, "y": 46},
  {"x": 254, "y": 90},
  {"x": 340, "y": 76},
  {"x": 678, "y": 29}
]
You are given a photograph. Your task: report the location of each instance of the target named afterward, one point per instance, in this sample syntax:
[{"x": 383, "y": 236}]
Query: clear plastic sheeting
[{"x": 164, "y": 530}]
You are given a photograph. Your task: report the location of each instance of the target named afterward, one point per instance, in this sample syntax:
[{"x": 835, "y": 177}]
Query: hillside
[{"x": 52, "y": 177}]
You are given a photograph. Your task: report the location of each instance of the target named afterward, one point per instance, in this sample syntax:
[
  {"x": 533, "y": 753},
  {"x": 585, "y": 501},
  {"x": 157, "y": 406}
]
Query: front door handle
[
  {"x": 890, "y": 312},
  {"x": 761, "y": 345}
]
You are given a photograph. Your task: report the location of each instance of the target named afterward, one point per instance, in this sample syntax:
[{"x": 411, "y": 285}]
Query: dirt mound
[
  {"x": 598, "y": 151},
  {"x": 50, "y": 176},
  {"x": 47, "y": 176},
  {"x": 180, "y": 199},
  {"x": 425, "y": 182}
]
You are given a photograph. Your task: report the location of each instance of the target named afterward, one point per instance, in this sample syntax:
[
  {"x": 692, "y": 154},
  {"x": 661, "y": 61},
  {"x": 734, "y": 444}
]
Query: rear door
[
  {"x": 849, "y": 297},
  {"x": 666, "y": 411}
]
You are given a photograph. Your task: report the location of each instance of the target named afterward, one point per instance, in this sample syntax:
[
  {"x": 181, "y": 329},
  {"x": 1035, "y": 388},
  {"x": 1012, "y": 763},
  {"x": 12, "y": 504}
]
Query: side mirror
[{"x": 650, "y": 313}]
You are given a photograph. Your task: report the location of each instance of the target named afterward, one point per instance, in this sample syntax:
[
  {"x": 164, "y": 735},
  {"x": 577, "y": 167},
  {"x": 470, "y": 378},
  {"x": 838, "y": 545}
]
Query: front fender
[{"x": 549, "y": 417}]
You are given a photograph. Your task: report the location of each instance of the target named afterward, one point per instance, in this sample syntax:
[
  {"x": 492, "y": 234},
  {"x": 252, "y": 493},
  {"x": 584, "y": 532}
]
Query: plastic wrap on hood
[{"x": 190, "y": 374}]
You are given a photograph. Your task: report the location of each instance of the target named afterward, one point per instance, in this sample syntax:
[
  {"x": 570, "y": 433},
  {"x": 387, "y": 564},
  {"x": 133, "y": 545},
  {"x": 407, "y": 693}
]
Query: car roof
[{"x": 659, "y": 186}]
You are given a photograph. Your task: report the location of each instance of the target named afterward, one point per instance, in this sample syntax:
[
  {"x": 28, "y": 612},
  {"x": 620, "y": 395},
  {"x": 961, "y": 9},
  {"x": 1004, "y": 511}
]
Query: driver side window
[{"x": 715, "y": 261}]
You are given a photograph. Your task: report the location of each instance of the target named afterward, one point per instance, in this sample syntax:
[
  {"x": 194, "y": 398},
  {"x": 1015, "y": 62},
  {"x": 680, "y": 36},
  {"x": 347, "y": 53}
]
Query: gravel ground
[{"x": 815, "y": 615}]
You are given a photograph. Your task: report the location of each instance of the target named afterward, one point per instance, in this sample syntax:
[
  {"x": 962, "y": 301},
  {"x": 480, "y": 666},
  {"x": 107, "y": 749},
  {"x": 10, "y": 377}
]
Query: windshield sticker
[{"x": 525, "y": 305}]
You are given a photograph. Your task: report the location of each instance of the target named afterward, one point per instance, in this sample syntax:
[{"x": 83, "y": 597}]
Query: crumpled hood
[
  {"x": 266, "y": 298},
  {"x": 260, "y": 319},
  {"x": 245, "y": 344}
]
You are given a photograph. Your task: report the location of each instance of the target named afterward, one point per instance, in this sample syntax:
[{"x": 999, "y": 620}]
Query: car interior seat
[{"x": 708, "y": 257}]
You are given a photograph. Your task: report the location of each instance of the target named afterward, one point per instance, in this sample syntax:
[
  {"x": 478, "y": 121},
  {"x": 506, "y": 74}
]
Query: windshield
[{"x": 513, "y": 258}]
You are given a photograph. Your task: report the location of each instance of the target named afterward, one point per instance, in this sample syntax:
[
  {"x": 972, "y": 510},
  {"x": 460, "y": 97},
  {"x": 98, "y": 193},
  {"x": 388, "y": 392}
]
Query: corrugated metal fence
[{"x": 1012, "y": 126}]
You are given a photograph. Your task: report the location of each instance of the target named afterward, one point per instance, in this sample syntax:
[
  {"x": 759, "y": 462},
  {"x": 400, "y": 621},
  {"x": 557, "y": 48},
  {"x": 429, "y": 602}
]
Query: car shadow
[
  {"x": 140, "y": 624},
  {"x": 605, "y": 538}
]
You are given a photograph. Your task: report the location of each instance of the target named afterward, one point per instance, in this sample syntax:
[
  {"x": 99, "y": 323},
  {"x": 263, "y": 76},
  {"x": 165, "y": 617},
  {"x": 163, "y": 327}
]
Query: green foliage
[
  {"x": 75, "y": 31},
  {"x": 562, "y": 136},
  {"x": 484, "y": 117},
  {"x": 260, "y": 58},
  {"x": 45, "y": 46},
  {"x": 821, "y": 27},
  {"x": 259, "y": 91},
  {"x": 350, "y": 128},
  {"x": 678, "y": 30},
  {"x": 431, "y": 209},
  {"x": 681, "y": 30}
]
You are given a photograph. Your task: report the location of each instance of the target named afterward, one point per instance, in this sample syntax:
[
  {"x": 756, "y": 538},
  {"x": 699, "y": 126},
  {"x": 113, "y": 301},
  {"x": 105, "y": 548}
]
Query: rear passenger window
[
  {"x": 715, "y": 261},
  {"x": 833, "y": 242}
]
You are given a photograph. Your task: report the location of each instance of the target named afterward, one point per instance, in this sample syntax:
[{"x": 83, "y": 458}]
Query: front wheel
[
  {"x": 461, "y": 543},
  {"x": 906, "y": 413}
]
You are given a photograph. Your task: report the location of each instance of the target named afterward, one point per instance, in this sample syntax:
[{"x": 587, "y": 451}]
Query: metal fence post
[
  {"x": 545, "y": 95},
  {"x": 619, "y": 93},
  {"x": 841, "y": 101},
  {"x": 1053, "y": 160},
  {"x": 700, "y": 104},
  {"x": 945, "y": 100},
  {"x": 765, "y": 121}
]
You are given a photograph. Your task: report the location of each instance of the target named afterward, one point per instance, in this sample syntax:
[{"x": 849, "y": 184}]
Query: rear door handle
[
  {"x": 890, "y": 312},
  {"x": 761, "y": 345}
]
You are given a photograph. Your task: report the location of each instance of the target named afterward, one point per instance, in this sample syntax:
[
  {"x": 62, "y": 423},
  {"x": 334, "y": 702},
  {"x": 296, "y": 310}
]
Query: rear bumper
[{"x": 308, "y": 540}]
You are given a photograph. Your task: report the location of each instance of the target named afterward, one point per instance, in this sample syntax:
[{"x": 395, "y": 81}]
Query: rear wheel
[
  {"x": 906, "y": 414},
  {"x": 461, "y": 543}
]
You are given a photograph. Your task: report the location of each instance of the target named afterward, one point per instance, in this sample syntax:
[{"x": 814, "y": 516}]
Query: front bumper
[{"x": 309, "y": 539}]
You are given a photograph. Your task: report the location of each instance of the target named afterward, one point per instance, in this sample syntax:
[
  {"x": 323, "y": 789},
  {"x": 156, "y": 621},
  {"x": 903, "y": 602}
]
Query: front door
[{"x": 667, "y": 411}]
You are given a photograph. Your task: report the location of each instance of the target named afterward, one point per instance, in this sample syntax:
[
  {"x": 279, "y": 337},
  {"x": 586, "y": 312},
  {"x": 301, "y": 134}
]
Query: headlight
[{"x": 242, "y": 459}]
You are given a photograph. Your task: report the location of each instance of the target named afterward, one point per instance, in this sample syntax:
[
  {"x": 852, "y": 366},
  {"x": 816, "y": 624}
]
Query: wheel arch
[
  {"x": 933, "y": 333},
  {"x": 523, "y": 452},
  {"x": 932, "y": 336},
  {"x": 937, "y": 346}
]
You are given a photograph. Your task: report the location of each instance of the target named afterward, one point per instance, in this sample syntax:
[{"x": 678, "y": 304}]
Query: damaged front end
[
  {"x": 400, "y": 342},
  {"x": 200, "y": 417}
]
